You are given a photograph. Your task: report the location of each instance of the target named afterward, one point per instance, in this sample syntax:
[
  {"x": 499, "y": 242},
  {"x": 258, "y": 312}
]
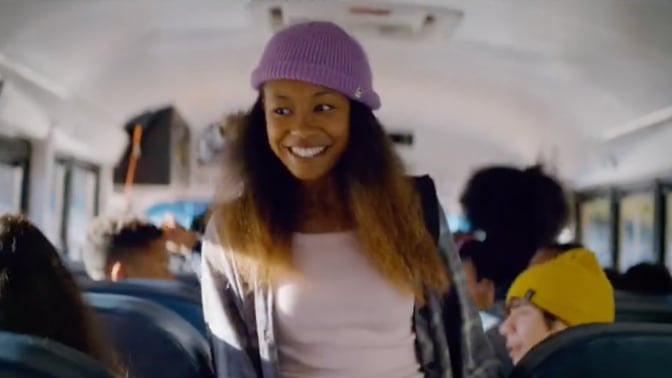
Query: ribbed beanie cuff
[{"x": 319, "y": 53}]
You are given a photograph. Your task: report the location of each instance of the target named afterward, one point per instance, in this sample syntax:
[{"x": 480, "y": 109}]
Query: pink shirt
[{"x": 341, "y": 318}]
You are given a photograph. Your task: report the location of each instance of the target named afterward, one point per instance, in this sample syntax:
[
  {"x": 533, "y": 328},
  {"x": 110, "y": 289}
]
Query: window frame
[
  {"x": 16, "y": 152},
  {"x": 69, "y": 164},
  {"x": 609, "y": 194}
]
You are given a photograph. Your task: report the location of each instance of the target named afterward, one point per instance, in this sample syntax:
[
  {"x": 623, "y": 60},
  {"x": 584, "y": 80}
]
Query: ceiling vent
[
  {"x": 400, "y": 21},
  {"x": 401, "y": 138}
]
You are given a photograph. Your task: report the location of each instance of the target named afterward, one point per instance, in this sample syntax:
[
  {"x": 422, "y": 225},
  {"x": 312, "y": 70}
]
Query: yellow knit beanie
[{"x": 572, "y": 286}]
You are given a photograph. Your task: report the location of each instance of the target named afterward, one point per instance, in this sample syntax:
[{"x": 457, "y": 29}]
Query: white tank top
[{"x": 341, "y": 319}]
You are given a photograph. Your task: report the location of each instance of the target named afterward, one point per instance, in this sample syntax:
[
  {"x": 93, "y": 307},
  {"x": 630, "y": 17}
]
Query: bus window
[
  {"x": 636, "y": 240},
  {"x": 183, "y": 211},
  {"x": 595, "y": 226},
  {"x": 14, "y": 163},
  {"x": 82, "y": 189},
  {"x": 56, "y": 201},
  {"x": 11, "y": 182}
]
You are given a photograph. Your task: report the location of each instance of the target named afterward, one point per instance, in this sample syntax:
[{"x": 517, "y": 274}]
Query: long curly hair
[
  {"x": 39, "y": 296},
  {"x": 378, "y": 197}
]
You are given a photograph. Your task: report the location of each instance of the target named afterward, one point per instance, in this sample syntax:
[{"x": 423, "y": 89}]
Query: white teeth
[{"x": 307, "y": 152}]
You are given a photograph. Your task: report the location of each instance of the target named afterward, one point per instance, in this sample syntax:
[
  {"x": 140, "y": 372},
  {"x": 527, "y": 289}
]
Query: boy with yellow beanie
[{"x": 569, "y": 290}]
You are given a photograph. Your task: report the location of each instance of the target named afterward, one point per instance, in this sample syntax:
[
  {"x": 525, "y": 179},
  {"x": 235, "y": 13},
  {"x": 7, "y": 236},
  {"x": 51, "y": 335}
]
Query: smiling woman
[
  {"x": 308, "y": 126},
  {"x": 327, "y": 243}
]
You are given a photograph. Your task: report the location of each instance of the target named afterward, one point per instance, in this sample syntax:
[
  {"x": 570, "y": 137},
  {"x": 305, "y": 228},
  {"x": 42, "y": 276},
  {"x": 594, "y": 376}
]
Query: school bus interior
[{"x": 582, "y": 87}]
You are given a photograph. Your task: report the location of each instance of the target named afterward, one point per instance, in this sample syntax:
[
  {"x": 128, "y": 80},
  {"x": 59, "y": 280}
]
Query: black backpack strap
[
  {"x": 451, "y": 303},
  {"x": 430, "y": 204}
]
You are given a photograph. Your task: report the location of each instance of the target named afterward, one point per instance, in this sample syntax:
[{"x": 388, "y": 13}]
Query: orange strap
[{"x": 133, "y": 161}]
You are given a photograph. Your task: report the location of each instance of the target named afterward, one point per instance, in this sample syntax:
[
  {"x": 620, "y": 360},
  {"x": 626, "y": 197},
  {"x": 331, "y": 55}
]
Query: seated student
[
  {"x": 125, "y": 246},
  {"x": 646, "y": 279},
  {"x": 479, "y": 271},
  {"x": 568, "y": 290},
  {"x": 39, "y": 296},
  {"x": 482, "y": 271}
]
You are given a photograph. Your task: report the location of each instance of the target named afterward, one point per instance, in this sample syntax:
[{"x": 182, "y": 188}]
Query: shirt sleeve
[
  {"x": 479, "y": 360},
  {"x": 222, "y": 309}
]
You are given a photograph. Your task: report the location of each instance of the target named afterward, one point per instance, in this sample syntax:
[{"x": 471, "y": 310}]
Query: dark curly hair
[
  {"x": 476, "y": 252},
  {"x": 646, "y": 279},
  {"x": 113, "y": 237},
  {"x": 39, "y": 296},
  {"x": 519, "y": 210},
  {"x": 377, "y": 195}
]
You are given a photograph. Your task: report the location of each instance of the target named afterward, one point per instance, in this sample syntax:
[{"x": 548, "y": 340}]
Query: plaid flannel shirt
[{"x": 241, "y": 324}]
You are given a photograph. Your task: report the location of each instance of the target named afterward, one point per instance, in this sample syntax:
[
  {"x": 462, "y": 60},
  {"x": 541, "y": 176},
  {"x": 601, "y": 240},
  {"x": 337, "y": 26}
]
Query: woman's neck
[{"x": 323, "y": 208}]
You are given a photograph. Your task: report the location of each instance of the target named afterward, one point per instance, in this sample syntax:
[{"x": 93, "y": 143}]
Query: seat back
[
  {"x": 150, "y": 339},
  {"x": 621, "y": 295},
  {"x": 189, "y": 279},
  {"x": 623, "y": 350},
  {"x": 31, "y": 357},
  {"x": 182, "y": 298},
  {"x": 643, "y": 309}
]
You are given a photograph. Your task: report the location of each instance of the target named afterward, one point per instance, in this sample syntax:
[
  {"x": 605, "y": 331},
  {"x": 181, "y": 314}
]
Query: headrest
[
  {"x": 621, "y": 295},
  {"x": 175, "y": 289},
  {"x": 624, "y": 350},
  {"x": 645, "y": 310},
  {"x": 182, "y": 298},
  {"x": 28, "y": 356},
  {"x": 152, "y": 340}
]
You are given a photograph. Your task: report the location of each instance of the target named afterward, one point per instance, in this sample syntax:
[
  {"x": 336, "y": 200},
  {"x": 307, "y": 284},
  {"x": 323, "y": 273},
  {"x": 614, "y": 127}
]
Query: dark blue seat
[
  {"x": 621, "y": 295},
  {"x": 626, "y": 296},
  {"x": 30, "y": 357},
  {"x": 182, "y": 298},
  {"x": 150, "y": 339},
  {"x": 642, "y": 308},
  {"x": 618, "y": 350},
  {"x": 189, "y": 279},
  {"x": 644, "y": 311}
]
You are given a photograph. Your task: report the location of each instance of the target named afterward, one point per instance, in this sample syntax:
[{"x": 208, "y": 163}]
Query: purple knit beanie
[{"x": 319, "y": 53}]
